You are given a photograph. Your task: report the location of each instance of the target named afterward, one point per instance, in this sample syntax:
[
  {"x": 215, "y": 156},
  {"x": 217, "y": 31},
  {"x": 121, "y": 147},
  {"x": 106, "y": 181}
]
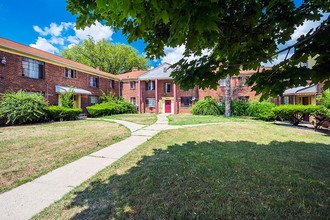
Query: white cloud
[
  {"x": 53, "y": 29},
  {"x": 73, "y": 39},
  {"x": 173, "y": 55},
  {"x": 98, "y": 31},
  {"x": 57, "y": 40},
  {"x": 43, "y": 44}
]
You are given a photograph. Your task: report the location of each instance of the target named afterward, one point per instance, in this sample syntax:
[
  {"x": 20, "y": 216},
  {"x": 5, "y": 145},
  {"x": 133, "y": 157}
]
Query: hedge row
[
  {"x": 60, "y": 113},
  {"x": 295, "y": 113},
  {"x": 110, "y": 108}
]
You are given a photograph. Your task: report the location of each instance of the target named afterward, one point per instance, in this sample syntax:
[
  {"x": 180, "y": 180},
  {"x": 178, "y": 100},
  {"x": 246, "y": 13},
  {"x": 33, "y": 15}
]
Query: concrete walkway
[{"x": 27, "y": 200}]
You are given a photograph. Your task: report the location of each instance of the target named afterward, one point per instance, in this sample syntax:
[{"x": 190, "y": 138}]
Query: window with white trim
[
  {"x": 33, "y": 68},
  {"x": 222, "y": 82},
  {"x": 93, "y": 100},
  {"x": 132, "y": 84},
  {"x": 150, "y": 85},
  {"x": 111, "y": 84},
  {"x": 286, "y": 100},
  {"x": 133, "y": 100},
  {"x": 151, "y": 102},
  {"x": 94, "y": 81},
  {"x": 167, "y": 87},
  {"x": 186, "y": 101},
  {"x": 70, "y": 73}
]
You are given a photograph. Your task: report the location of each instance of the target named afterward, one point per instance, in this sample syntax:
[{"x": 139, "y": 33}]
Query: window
[
  {"x": 151, "y": 102},
  {"x": 186, "y": 101},
  {"x": 286, "y": 100},
  {"x": 167, "y": 87},
  {"x": 33, "y": 68},
  {"x": 133, "y": 100},
  {"x": 150, "y": 85},
  {"x": 243, "y": 98},
  {"x": 132, "y": 85},
  {"x": 112, "y": 84},
  {"x": 69, "y": 73},
  {"x": 93, "y": 100},
  {"x": 222, "y": 82},
  {"x": 242, "y": 80},
  {"x": 94, "y": 81}
]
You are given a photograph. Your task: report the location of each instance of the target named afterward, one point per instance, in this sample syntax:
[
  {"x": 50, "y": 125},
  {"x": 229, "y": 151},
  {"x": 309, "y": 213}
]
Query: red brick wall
[
  {"x": 127, "y": 92},
  {"x": 54, "y": 75}
]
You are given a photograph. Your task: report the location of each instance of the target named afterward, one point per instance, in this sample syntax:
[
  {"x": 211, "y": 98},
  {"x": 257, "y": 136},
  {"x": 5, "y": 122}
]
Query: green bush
[
  {"x": 207, "y": 106},
  {"x": 325, "y": 99},
  {"x": 239, "y": 108},
  {"x": 261, "y": 110},
  {"x": 67, "y": 99},
  {"x": 22, "y": 107},
  {"x": 295, "y": 113},
  {"x": 111, "y": 108},
  {"x": 60, "y": 113}
]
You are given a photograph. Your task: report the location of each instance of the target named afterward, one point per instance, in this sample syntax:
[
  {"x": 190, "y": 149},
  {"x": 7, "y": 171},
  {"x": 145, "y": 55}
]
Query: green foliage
[
  {"x": 244, "y": 42},
  {"x": 207, "y": 106},
  {"x": 295, "y": 113},
  {"x": 261, "y": 110},
  {"x": 325, "y": 99},
  {"x": 239, "y": 108},
  {"x": 110, "y": 57},
  {"x": 67, "y": 99},
  {"x": 111, "y": 108},
  {"x": 108, "y": 98},
  {"x": 22, "y": 107},
  {"x": 61, "y": 113}
]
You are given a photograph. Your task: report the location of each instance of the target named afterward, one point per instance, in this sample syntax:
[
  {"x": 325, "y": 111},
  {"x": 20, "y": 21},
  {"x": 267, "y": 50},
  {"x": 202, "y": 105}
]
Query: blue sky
[{"x": 47, "y": 25}]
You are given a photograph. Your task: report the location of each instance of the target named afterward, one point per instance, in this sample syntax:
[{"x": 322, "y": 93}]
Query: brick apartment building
[
  {"x": 154, "y": 91},
  {"x": 34, "y": 70}
]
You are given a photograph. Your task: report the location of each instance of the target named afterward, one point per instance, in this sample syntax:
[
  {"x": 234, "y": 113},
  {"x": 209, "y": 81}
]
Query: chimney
[{"x": 135, "y": 69}]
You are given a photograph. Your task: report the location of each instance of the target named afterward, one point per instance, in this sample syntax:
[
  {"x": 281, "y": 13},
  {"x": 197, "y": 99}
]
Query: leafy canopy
[
  {"x": 110, "y": 57},
  {"x": 231, "y": 33}
]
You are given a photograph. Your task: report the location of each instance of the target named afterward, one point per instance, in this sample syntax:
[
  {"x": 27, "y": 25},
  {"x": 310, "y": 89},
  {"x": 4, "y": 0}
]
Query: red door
[{"x": 167, "y": 106}]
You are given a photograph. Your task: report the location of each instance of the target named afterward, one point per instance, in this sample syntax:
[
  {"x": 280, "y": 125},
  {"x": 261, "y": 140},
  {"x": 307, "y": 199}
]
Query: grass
[
  {"x": 186, "y": 119},
  {"x": 27, "y": 152},
  {"x": 231, "y": 171},
  {"x": 143, "y": 119}
]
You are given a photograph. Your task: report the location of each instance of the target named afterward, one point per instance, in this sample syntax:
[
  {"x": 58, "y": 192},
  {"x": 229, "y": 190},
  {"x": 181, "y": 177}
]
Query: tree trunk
[{"x": 228, "y": 97}]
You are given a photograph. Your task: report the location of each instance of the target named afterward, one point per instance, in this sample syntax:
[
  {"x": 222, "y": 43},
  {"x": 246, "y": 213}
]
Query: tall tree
[
  {"x": 238, "y": 34},
  {"x": 110, "y": 57}
]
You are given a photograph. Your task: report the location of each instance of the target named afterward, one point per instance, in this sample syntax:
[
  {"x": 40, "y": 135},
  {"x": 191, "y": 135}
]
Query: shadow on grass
[{"x": 212, "y": 180}]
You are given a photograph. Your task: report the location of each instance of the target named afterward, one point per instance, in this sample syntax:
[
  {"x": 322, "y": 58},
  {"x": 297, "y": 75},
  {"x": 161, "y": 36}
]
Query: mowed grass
[
  {"x": 27, "y": 152},
  {"x": 186, "y": 119},
  {"x": 227, "y": 171},
  {"x": 143, "y": 119}
]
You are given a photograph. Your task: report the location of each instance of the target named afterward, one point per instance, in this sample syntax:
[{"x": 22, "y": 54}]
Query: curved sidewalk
[{"x": 25, "y": 201}]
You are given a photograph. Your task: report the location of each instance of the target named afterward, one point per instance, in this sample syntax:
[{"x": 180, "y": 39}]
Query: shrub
[
  {"x": 22, "y": 107},
  {"x": 325, "y": 99},
  {"x": 261, "y": 110},
  {"x": 67, "y": 99},
  {"x": 60, "y": 113},
  {"x": 111, "y": 108},
  {"x": 207, "y": 106},
  {"x": 295, "y": 113},
  {"x": 108, "y": 98},
  {"x": 239, "y": 108}
]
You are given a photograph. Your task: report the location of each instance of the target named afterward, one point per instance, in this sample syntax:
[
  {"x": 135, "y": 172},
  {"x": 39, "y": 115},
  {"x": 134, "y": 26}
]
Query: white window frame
[
  {"x": 222, "y": 82},
  {"x": 93, "y": 100},
  {"x": 167, "y": 86},
  {"x": 70, "y": 73},
  {"x": 132, "y": 85},
  {"x": 286, "y": 100},
  {"x": 93, "y": 81},
  {"x": 151, "y": 102},
  {"x": 31, "y": 68},
  {"x": 150, "y": 85},
  {"x": 111, "y": 83},
  {"x": 132, "y": 100}
]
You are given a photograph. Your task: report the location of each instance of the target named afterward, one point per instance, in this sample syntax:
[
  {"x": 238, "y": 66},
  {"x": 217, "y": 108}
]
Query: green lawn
[
  {"x": 227, "y": 171},
  {"x": 143, "y": 119},
  {"x": 186, "y": 119},
  {"x": 29, "y": 151}
]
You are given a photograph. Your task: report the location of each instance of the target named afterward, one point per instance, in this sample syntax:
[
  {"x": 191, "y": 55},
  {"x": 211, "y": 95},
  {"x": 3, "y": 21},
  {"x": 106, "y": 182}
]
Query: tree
[
  {"x": 110, "y": 57},
  {"x": 222, "y": 36}
]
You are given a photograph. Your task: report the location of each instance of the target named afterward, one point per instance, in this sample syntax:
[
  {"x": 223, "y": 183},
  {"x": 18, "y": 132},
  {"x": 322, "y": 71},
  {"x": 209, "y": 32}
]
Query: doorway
[{"x": 167, "y": 106}]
